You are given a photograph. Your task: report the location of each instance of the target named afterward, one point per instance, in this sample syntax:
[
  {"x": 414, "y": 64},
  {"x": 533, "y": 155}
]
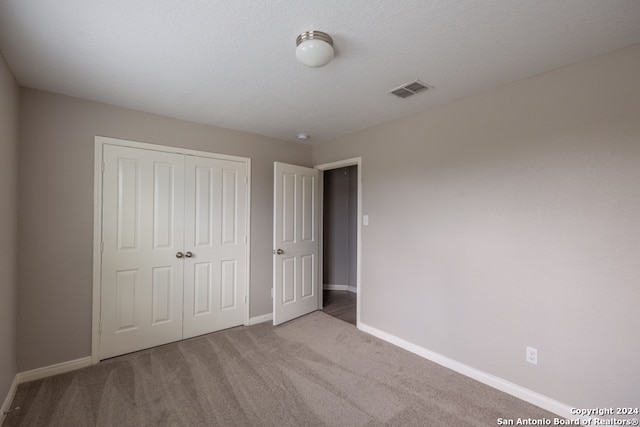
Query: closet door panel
[
  {"x": 215, "y": 230},
  {"x": 141, "y": 279}
]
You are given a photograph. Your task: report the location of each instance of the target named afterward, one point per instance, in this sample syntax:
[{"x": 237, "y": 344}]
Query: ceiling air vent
[{"x": 410, "y": 89}]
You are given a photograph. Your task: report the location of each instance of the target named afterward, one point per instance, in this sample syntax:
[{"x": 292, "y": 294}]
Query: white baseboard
[
  {"x": 261, "y": 319},
  {"x": 340, "y": 288},
  {"x": 48, "y": 371},
  {"x": 7, "y": 401},
  {"x": 335, "y": 287},
  {"x": 522, "y": 393},
  {"x": 39, "y": 373}
]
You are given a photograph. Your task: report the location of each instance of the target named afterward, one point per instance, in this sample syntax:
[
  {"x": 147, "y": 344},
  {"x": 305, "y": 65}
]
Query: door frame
[
  {"x": 355, "y": 161},
  {"x": 100, "y": 142}
]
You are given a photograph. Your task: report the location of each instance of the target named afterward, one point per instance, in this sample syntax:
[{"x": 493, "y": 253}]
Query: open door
[{"x": 295, "y": 242}]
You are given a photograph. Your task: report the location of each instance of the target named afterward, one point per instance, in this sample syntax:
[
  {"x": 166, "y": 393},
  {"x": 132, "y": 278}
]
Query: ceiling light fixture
[
  {"x": 303, "y": 137},
  {"x": 315, "y": 48}
]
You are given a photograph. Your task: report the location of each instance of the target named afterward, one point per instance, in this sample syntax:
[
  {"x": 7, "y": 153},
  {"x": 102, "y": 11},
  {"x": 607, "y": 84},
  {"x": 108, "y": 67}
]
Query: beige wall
[
  {"x": 8, "y": 225},
  {"x": 56, "y": 211},
  {"x": 512, "y": 219}
]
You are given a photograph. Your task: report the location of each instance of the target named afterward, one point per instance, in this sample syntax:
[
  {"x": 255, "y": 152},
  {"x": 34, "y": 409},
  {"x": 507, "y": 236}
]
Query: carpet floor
[{"x": 312, "y": 371}]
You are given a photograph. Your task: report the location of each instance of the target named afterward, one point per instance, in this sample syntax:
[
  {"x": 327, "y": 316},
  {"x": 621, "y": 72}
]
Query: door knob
[
  {"x": 179, "y": 255},
  {"x": 189, "y": 254},
  {"x": 278, "y": 251}
]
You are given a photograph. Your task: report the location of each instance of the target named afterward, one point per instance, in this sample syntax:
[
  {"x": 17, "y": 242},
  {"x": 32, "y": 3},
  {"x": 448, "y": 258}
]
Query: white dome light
[{"x": 315, "y": 48}]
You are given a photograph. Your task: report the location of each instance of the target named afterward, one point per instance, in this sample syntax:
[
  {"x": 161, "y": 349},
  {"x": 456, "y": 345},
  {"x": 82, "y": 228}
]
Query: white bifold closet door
[{"x": 173, "y": 247}]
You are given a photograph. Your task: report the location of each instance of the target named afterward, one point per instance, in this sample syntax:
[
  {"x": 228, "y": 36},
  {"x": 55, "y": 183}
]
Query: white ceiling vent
[{"x": 410, "y": 89}]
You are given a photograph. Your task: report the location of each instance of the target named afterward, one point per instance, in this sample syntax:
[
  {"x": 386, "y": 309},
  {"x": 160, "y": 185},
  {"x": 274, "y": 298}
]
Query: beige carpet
[{"x": 313, "y": 371}]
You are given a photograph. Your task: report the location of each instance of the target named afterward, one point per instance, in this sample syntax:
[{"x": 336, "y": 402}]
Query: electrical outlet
[{"x": 532, "y": 355}]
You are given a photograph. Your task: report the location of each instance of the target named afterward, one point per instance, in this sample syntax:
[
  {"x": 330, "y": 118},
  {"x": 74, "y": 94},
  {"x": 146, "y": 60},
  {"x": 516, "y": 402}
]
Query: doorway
[{"x": 341, "y": 239}]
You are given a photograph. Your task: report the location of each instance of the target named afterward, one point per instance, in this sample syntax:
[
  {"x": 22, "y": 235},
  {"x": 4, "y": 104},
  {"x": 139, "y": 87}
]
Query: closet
[{"x": 173, "y": 246}]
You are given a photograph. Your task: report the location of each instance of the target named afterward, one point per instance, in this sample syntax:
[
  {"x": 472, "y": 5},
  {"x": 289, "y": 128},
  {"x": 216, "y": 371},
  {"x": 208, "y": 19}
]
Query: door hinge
[
  {"x": 271, "y": 293},
  {"x": 100, "y": 327},
  {"x": 245, "y": 298},
  {"x": 101, "y": 247},
  {"x": 102, "y": 167}
]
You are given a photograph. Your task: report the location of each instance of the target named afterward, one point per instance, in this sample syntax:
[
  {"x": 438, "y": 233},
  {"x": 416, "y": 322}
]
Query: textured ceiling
[{"x": 232, "y": 64}]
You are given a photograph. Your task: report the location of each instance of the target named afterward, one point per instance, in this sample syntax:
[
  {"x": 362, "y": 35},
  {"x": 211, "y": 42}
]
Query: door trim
[
  {"x": 355, "y": 161},
  {"x": 100, "y": 141}
]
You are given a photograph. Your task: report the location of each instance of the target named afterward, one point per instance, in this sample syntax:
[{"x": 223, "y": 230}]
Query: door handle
[
  {"x": 179, "y": 255},
  {"x": 189, "y": 254},
  {"x": 278, "y": 251}
]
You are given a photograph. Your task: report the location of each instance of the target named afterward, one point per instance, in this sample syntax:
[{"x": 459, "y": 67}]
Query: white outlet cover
[{"x": 532, "y": 355}]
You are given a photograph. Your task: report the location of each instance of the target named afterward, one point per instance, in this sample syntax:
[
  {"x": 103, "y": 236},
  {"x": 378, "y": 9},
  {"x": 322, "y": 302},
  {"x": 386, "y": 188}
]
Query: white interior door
[
  {"x": 215, "y": 244},
  {"x": 141, "y": 293},
  {"x": 295, "y": 242}
]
